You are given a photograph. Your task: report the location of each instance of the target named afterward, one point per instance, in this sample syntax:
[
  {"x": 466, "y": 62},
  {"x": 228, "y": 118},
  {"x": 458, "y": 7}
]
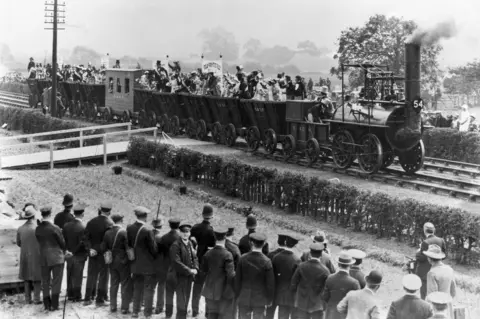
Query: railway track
[{"x": 455, "y": 179}]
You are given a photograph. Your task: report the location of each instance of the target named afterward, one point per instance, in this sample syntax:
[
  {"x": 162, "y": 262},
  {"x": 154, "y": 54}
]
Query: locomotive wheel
[
  {"x": 165, "y": 123},
  {"x": 201, "y": 130},
  {"x": 190, "y": 128},
  {"x": 412, "y": 160},
  {"x": 230, "y": 135},
  {"x": 270, "y": 142},
  {"x": 343, "y": 150},
  {"x": 370, "y": 154},
  {"x": 217, "y": 132},
  {"x": 253, "y": 138},
  {"x": 288, "y": 146},
  {"x": 125, "y": 117},
  {"x": 107, "y": 114},
  {"x": 174, "y": 125},
  {"x": 312, "y": 150},
  {"x": 143, "y": 121},
  {"x": 388, "y": 158}
]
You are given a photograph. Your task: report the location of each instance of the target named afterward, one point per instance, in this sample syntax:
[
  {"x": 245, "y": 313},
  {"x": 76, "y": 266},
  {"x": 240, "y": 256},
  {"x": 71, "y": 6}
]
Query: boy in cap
[
  {"x": 219, "y": 272},
  {"x": 355, "y": 271},
  {"x": 231, "y": 246},
  {"x": 338, "y": 285},
  {"x": 203, "y": 234},
  {"x": 66, "y": 215},
  {"x": 440, "y": 302},
  {"x": 307, "y": 285},
  {"x": 284, "y": 264},
  {"x": 410, "y": 306},
  {"x": 52, "y": 258},
  {"x": 165, "y": 281},
  {"x": 423, "y": 266},
  {"x": 326, "y": 259},
  {"x": 29, "y": 271},
  {"x": 97, "y": 272},
  {"x": 362, "y": 303},
  {"x": 254, "y": 280},
  {"x": 116, "y": 241},
  {"x": 185, "y": 268},
  {"x": 142, "y": 240},
  {"x": 74, "y": 234},
  {"x": 244, "y": 245}
]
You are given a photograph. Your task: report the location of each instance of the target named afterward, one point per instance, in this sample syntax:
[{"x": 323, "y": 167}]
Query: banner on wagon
[{"x": 212, "y": 66}]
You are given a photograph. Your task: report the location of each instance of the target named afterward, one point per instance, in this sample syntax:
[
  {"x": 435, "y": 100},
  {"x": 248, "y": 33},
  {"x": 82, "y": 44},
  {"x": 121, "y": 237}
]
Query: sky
[{"x": 152, "y": 28}]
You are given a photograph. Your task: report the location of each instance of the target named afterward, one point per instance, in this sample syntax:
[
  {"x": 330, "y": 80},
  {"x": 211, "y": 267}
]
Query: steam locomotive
[{"x": 370, "y": 134}]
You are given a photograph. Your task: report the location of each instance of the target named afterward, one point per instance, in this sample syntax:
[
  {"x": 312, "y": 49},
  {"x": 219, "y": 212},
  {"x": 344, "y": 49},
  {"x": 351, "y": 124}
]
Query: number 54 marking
[{"x": 418, "y": 103}]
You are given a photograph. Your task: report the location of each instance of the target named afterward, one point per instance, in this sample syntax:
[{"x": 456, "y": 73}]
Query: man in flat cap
[
  {"x": 422, "y": 264},
  {"x": 410, "y": 306},
  {"x": 97, "y": 269},
  {"x": 142, "y": 239},
  {"x": 203, "y": 233},
  {"x": 338, "y": 285},
  {"x": 326, "y": 259},
  {"x": 232, "y": 246},
  {"x": 185, "y": 267},
  {"x": 52, "y": 258},
  {"x": 440, "y": 302},
  {"x": 355, "y": 271},
  {"x": 66, "y": 215},
  {"x": 285, "y": 264},
  {"x": 254, "y": 280},
  {"x": 363, "y": 304},
  {"x": 281, "y": 242},
  {"x": 159, "y": 265},
  {"x": 29, "y": 271},
  {"x": 116, "y": 241},
  {"x": 244, "y": 244},
  {"x": 219, "y": 272},
  {"x": 166, "y": 279},
  {"x": 307, "y": 285},
  {"x": 74, "y": 234}
]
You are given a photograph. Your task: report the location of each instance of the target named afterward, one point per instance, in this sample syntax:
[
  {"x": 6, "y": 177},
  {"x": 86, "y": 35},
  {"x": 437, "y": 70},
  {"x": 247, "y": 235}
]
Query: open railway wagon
[
  {"x": 94, "y": 100},
  {"x": 171, "y": 114},
  {"x": 34, "y": 97}
]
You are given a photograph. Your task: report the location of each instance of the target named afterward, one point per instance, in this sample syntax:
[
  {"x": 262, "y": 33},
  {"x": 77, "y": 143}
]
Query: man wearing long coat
[{"x": 30, "y": 272}]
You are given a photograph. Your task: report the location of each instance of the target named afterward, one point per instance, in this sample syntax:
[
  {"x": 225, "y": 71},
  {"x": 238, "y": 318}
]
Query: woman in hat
[{"x": 464, "y": 119}]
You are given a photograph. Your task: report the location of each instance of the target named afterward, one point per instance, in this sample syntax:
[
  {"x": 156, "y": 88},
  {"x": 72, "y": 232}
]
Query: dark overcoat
[
  {"x": 219, "y": 269},
  {"x": 356, "y": 273},
  {"x": 232, "y": 247},
  {"x": 336, "y": 288},
  {"x": 145, "y": 248},
  {"x": 51, "y": 243},
  {"x": 205, "y": 237},
  {"x": 308, "y": 283},
  {"x": 410, "y": 307},
  {"x": 244, "y": 244},
  {"x": 423, "y": 266},
  {"x": 74, "y": 234},
  {"x": 284, "y": 265}
]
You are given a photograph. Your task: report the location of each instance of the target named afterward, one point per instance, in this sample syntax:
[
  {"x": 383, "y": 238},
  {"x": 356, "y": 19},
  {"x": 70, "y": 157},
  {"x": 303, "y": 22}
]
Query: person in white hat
[
  {"x": 422, "y": 264},
  {"x": 410, "y": 306},
  {"x": 464, "y": 119},
  {"x": 440, "y": 302},
  {"x": 441, "y": 276}
]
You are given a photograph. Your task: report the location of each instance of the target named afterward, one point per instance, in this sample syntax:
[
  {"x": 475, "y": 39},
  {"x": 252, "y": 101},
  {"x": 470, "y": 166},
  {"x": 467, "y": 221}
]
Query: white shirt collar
[
  {"x": 410, "y": 293},
  {"x": 344, "y": 270},
  {"x": 78, "y": 219},
  {"x": 140, "y": 221},
  {"x": 368, "y": 289}
]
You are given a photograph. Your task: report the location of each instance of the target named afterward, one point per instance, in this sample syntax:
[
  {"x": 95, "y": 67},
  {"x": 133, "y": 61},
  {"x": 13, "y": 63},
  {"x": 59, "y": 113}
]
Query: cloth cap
[
  {"x": 185, "y": 225},
  {"x": 411, "y": 282},
  {"x": 357, "y": 253},
  {"x": 251, "y": 221},
  {"x": 67, "y": 200},
  {"x": 230, "y": 231},
  {"x": 439, "y": 298},
  {"x": 141, "y": 211},
  {"x": 291, "y": 240},
  {"x": 106, "y": 206},
  {"x": 320, "y": 237},
  {"x": 281, "y": 239},
  {"x": 428, "y": 226},
  {"x": 435, "y": 252},
  {"x": 316, "y": 247},
  {"x": 207, "y": 211},
  {"x": 174, "y": 222},
  {"x": 157, "y": 223},
  {"x": 220, "y": 231},
  {"x": 374, "y": 277},
  {"x": 345, "y": 259},
  {"x": 45, "y": 210},
  {"x": 30, "y": 212},
  {"x": 79, "y": 208},
  {"x": 117, "y": 218},
  {"x": 258, "y": 237}
]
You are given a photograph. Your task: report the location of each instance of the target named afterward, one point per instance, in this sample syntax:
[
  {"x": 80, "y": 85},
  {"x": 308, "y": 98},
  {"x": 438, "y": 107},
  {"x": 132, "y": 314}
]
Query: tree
[
  {"x": 465, "y": 79},
  {"x": 382, "y": 41},
  {"x": 219, "y": 41}
]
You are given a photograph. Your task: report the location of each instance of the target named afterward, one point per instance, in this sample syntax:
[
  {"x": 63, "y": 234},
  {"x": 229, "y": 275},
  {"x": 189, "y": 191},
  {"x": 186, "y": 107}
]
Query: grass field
[{"x": 94, "y": 185}]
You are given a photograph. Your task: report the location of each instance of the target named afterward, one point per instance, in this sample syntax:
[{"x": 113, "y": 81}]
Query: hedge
[
  {"x": 32, "y": 121},
  {"x": 15, "y": 87},
  {"x": 375, "y": 213},
  {"x": 452, "y": 145}
]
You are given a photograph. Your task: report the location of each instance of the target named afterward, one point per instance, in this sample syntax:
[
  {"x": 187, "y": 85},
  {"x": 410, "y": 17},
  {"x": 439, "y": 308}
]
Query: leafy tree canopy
[{"x": 465, "y": 79}]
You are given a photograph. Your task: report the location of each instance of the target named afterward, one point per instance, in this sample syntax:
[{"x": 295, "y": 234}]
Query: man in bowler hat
[
  {"x": 185, "y": 267},
  {"x": 52, "y": 258},
  {"x": 203, "y": 233},
  {"x": 254, "y": 280},
  {"x": 116, "y": 241},
  {"x": 142, "y": 240},
  {"x": 97, "y": 269},
  {"x": 219, "y": 271},
  {"x": 410, "y": 306},
  {"x": 66, "y": 215},
  {"x": 244, "y": 244},
  {"x": 74, "y": 234}
]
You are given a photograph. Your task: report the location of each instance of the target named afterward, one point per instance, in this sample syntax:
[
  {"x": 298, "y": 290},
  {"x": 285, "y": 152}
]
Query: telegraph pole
[{"x": 56, "y": 17}]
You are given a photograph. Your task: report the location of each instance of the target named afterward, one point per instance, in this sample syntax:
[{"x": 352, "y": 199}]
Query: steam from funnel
[{"x": 443, "y": 30}]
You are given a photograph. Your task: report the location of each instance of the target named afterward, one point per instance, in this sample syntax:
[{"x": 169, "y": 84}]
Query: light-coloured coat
[
  {"x": 30, "y": 269},
  {"x": 359, "y": 304},
  {"x": 441, "y": 278}
]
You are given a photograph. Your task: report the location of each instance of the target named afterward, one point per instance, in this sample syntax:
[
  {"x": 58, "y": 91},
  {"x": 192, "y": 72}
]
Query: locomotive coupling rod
[{"x": 381, "y": 102}]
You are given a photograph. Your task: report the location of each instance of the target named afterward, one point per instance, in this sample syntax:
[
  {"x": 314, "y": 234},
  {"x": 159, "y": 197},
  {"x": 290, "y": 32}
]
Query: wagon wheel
[
  {"x": 190, "y": 128},
  {"x": 174, "y": 125},
  {"x": 107, "y": 114},
  {"x": 343, "y": 149},
  {"x": 412, "y": 160},
  {"x": 230, "y": 135},
  {"x": 288, "y": 146},
  {"x": 388, "y": 157},
  {"x": 125, "y": 117},
  {"x": 370, "y": 153},
  {"x": 253, "y": 138},
  {"x": 217, "y": 132},
  {"x": 142, "y": 116},
  {"x": 312, "y": 150},
  {"x": 165, "y": 123},
  {"x": 92, "y": 112},
  {"x": 201, "y": 130},
  {"x": 270, "y": 141}
]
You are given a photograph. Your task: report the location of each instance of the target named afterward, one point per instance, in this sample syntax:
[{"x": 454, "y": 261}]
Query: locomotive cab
[{"x": 119, "y": 94}]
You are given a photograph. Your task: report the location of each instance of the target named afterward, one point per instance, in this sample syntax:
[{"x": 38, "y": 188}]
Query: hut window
[
  {"x": 119, "y": 86},
  {"x": 110, "y": 85},
  {"x": 127, "y": 85}
]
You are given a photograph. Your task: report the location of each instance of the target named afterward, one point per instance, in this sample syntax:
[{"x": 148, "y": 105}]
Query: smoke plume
[{"x": 443, "y": 30}]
